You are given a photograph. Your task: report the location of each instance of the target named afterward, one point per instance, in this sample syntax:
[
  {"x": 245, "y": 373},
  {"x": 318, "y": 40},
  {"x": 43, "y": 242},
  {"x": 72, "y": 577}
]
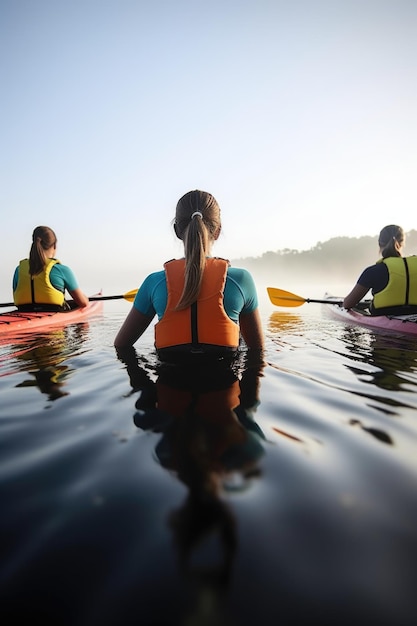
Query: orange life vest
[{"x": 205, "y": 324}]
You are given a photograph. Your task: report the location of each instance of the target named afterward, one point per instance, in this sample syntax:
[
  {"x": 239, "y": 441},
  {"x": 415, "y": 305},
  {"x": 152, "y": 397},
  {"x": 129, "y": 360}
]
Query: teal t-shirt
[{"x": 240, "y": 294}]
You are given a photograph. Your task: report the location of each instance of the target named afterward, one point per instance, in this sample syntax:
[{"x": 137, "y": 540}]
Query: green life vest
[{"x": 401, "y": 289}]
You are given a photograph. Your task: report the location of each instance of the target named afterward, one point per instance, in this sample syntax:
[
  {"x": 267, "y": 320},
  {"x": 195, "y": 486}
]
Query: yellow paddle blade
[
  {"x": 279, "y": 297},
  {"x": 130, "y": 295}
]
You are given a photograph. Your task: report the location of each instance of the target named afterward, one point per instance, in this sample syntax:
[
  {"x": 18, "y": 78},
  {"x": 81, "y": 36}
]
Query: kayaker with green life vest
[
  {"x": 40, "y": 282},
  {"x": 202, "y": 304},
  {"x": 392, "y": 279}
]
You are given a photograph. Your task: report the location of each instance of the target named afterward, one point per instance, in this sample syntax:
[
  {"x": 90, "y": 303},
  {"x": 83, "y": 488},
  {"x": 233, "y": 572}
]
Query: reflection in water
[
  {"x": 287, "y": 330},
  {"x": 379, "y": 434},
  {"x": 209, "y": 438},
  {"x": 382, "y": 365},
  {"x": 50, "y": 381},
  {"x": 43, "y": 357},
  {"x": 282, "y": 321},
  {"x": 389, "y": 364},
  {"x": 393, "y": 358}
]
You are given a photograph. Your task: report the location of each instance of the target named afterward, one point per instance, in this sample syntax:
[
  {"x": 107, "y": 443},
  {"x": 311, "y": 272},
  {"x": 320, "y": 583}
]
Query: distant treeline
[{"x": 335, "y": 258}]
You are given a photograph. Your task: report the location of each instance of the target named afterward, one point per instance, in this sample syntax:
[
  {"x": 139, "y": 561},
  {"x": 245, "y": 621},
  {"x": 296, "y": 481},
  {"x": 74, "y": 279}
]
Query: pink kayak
[
  {"x": 16, "y": 322},
  {"x": 399, "y": 324}
]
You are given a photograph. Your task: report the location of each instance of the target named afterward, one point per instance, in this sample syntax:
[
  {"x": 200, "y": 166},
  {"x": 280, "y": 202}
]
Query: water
[{"x": 302, "y": 512}]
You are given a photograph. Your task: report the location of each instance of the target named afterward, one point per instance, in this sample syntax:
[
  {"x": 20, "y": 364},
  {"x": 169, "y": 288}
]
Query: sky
[{"x": 299, "y": 117}]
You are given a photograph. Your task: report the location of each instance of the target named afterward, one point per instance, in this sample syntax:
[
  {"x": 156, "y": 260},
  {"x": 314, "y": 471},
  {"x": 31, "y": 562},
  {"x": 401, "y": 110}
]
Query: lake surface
[{"x": 282, "y": 496}]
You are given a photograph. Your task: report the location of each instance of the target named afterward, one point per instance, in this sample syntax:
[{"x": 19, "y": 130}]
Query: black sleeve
[{"x": 374, "y": 277}]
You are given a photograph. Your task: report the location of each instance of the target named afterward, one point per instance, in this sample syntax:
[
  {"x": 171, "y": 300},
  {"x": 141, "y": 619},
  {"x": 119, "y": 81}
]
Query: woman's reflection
[
  {"x": 382, "y": 364},
  {"x": 44, "y": 356},
  {"x": 209, "y": 438},
  {"x": 394, "y": 358}
]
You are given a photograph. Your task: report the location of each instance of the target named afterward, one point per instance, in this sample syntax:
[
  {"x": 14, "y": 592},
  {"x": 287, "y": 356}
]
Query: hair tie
[{"x": 198, "y": 213}]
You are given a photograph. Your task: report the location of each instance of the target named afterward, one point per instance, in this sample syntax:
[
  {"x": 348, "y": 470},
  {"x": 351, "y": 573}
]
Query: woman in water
[{"x": 202, "y": 304}]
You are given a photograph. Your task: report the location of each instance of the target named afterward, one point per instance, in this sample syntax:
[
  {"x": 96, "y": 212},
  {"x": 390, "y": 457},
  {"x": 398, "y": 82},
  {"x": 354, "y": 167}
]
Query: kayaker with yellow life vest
[
  {"x": 393, "y": 279},
  {"x": 202, "y": 304},
  {"x": 40, "y": 282}
]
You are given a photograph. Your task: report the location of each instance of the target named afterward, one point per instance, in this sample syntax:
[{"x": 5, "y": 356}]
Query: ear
[
  {"x": 217, "y": 234},
  {"x": 176, "y": 230}
]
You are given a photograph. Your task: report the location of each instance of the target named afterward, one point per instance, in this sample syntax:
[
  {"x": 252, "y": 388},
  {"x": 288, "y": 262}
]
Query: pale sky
[{"x": 298, "y": 116}]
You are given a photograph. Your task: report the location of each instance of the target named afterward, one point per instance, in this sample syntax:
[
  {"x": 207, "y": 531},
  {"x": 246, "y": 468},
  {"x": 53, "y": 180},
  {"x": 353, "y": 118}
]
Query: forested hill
[{"x": 340, "y": 257}]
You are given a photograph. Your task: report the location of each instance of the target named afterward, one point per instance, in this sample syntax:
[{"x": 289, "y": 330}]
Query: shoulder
[
  {"x": 371, "y": 273},
  {"x": 240, "y": 285},
  {"x": 242, "y": 280},
  {"x": 239, "y": 274},
  {"x": 62, "y": 269},
  {"x": 238, "y": 271},
  {"x": 373, "y": 268},
  {"x": 154, "y": 278},
  {"x": 153, "y": 282}
]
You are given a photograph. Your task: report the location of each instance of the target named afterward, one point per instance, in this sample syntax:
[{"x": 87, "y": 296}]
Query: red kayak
[
  {"x": 399, "y": 324},
  {"x": 16, "y": 322}
]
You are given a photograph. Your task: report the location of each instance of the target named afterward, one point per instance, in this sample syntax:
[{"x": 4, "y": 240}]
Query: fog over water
[{"x": 331, "y": 266}]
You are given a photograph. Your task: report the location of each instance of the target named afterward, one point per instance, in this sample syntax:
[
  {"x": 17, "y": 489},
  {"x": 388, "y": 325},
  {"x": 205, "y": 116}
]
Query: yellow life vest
[
  {"x": 37, "y": 289},
  {"x": 204, "y": 324},
  {"x": 401, "y": 289}
]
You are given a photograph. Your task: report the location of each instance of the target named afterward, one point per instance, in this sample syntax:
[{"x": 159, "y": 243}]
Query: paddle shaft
[
  {"x": 94, "y": 298},
  {"x": 129, "y": 296},
  {"x": 338, "y": 302}
]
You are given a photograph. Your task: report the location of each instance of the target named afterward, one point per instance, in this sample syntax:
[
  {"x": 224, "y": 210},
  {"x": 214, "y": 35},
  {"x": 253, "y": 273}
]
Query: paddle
[
  {"x": 279, "y": 297},
  {"x": 129, "y": 296}
]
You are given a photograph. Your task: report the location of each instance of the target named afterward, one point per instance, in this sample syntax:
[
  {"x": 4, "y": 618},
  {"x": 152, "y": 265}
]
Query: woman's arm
[
  {"x": 251, "y": 329},
  {"x": 63, "y": 278},
  {"x": 357, "y": 293},
  {"x": 79, "y": 297},
  {"x": 133, "y": 327}
]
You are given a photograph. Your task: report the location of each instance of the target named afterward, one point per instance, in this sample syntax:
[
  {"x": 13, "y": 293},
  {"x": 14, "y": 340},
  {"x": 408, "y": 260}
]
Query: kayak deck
[{"x": 25, "y": 321}]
